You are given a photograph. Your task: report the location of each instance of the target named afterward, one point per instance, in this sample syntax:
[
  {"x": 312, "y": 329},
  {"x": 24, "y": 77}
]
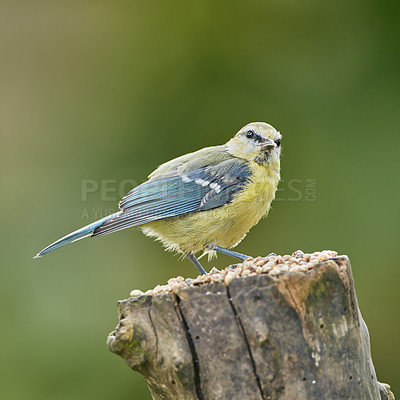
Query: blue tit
[{"x": 202, "y": 201}]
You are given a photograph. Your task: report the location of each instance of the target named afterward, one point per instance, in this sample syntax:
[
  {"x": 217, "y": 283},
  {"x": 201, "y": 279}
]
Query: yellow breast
[{"x": 225, "y": 226}]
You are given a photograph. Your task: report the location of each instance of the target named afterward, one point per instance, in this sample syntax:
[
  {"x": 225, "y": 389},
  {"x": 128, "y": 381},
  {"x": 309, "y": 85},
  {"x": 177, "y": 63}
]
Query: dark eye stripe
[{"x": 253, "y": 136}]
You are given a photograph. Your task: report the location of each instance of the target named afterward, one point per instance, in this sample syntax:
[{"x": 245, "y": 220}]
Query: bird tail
[{"x": 74, "y": 236}]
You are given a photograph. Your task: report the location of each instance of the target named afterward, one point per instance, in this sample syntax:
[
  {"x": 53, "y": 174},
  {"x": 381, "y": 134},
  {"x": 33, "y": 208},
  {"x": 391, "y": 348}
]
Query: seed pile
[{"x": 273, "y": 265}]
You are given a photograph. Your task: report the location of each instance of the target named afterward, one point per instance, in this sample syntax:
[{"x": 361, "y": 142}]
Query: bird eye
[
  {"x": 278, "y": 142},
  {"x": 250, "y": 134}
]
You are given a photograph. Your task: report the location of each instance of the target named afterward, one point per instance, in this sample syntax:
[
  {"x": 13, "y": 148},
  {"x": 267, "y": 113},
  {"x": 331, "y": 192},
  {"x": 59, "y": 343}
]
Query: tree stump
[{"x": 292, "y": 335}]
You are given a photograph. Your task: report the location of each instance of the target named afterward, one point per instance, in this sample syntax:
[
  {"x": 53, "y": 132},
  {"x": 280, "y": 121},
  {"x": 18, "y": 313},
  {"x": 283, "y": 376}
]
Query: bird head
[{"x": 257, "y": 141}]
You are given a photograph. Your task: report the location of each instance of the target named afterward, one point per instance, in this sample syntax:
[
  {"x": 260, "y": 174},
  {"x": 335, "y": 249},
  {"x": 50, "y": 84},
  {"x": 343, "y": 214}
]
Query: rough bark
[{"x": 296, "y": 336}]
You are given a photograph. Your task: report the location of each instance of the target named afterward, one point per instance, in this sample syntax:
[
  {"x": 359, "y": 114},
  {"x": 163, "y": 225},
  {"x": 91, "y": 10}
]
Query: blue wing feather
[{"x": 199, "y": 190}]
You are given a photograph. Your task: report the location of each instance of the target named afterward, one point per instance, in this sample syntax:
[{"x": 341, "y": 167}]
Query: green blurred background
[{"x": 103, "y": 92}]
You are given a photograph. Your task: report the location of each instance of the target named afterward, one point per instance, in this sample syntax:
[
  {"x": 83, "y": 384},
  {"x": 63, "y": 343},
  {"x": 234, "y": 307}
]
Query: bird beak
[{"x": 268, "y": 144}]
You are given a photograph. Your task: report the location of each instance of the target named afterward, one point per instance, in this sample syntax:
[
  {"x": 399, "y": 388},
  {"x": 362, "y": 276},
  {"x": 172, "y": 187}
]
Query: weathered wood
[{"x": 296, "y": 336}]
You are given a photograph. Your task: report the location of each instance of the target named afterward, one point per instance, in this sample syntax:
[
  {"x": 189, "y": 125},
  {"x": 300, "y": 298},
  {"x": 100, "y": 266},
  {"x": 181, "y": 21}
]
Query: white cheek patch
[{"x": 249, "y": 144}]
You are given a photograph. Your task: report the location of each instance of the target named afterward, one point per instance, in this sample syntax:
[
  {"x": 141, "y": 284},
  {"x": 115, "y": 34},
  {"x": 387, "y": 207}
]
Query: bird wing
[{"x": 193, "y": 186}]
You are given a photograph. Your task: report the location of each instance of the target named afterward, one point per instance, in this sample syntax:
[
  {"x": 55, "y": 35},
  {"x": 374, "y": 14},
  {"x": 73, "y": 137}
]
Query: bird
[{"x": 202, "y": 201}]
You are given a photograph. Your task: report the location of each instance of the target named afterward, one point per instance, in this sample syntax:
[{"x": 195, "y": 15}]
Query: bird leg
[
  {"x": 222, "y": 250},
  {"x": 196, "y": 263},
  {"x": 231, "y": 253}
]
